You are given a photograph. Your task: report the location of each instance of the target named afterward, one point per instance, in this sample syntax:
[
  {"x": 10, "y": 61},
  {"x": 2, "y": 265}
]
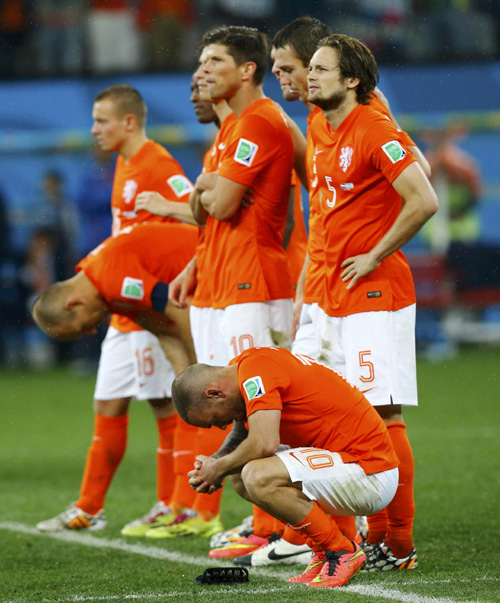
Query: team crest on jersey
[
  {"x": 394, "y": 151},
  {"x": 245, "y": 152},
  {"x": 345, "y": 157},
  {"x": 180, "y": 185},
  {"x": 132, "y": 288},
  {"x": 254, "y": 388},
  {"x": 129, "y": 191}
]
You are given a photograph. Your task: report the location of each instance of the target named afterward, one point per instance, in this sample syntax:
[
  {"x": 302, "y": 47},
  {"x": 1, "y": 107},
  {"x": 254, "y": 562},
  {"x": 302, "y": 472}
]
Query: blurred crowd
[
  {"x": 41, "y": 38},
  {"x": 61, "y": 231}
]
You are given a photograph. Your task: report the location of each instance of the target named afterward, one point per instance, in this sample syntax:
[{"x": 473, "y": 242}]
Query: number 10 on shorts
[{"x": 315, "y": 458}]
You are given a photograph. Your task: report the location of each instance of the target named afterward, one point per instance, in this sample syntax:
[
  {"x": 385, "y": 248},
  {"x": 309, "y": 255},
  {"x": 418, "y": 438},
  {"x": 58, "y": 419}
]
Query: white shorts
[
  {"x": 375, "y": 351},
  {"x": 256, "y": 324},
  {"x": 339, "y": 488},
  {"x": 133, "y": 365},
  {"x": 307, "y": 336},
  {"x": 208, "y": 343}
]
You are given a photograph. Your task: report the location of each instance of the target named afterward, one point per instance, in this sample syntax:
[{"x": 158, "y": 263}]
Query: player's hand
[
  {"x": 199, "y": 485},
  {"x": 152, "y": 202},
  {"x": 357, "y": 267},
  {"x": 247, "y": 199},
  {"x": 182, "y": 286},
  {"x": 206, "y": 469},
  {"x": 197, "y": 482},
  {"x": 198, "y": 461}
]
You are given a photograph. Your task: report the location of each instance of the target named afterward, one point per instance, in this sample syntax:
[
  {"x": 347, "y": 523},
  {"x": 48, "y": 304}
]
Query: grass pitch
[{"x": 46, "y": 424}]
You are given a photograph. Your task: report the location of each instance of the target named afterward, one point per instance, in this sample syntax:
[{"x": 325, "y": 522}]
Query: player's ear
[
  {"x": 130, "y": 121},
  {"x": 72, "y": 302},
  {"x": 214, "y": 393},
  {"x": 247, "y": 70},
  {"x": 352, "y": 82}
]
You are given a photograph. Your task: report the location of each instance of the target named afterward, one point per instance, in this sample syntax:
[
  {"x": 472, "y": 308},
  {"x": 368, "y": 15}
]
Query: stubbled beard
[{"x": 330, "y": 103}]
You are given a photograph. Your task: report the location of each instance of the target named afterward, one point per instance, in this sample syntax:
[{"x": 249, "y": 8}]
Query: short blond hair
[{"x": 126, "y": 100}]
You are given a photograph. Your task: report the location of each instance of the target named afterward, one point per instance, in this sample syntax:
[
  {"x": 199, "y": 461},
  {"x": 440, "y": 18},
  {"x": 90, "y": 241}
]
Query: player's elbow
[
  {"x": 269, "y": 447},
  {"x": 430, "y": 205},
  {"x": 222, "y": 212}
]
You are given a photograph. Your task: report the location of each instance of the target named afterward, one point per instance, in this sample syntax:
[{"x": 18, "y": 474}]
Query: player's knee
[
  {"x": 239, "y": 487},
  {"x": 256, "y": 479}
]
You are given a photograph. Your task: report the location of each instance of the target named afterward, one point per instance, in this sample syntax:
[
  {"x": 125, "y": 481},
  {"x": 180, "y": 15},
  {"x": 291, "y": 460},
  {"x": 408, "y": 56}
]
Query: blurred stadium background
[{"x": 440, "y": 69}]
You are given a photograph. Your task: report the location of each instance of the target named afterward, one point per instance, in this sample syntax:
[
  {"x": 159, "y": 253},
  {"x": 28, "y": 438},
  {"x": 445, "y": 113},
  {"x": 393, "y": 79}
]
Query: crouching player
[
  {"x": 342, "y": 462},
  {"x": 127, "y": 274}
]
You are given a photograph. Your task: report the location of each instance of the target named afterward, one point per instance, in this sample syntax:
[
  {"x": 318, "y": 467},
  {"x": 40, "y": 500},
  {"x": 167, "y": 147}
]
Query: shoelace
[{"x": 182, "y": 517}]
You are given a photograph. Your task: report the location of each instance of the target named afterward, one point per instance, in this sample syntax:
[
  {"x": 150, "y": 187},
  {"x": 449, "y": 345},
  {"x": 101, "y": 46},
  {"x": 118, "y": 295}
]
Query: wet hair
[
  {"x": 303, "y": 36},
  {"x": 244, "y": 44},
  {"x": 127, "y": 100},
  {"x": 355, "y": 61}
]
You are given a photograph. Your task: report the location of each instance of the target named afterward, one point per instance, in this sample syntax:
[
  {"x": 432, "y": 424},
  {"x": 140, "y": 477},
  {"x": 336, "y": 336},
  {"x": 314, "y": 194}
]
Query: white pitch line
[
  {"x": 396, "y": 595},
  {"x": 158, "y": 596},
  {"x": 119, "y": 545},
  {"x": 154, "y": 552}
]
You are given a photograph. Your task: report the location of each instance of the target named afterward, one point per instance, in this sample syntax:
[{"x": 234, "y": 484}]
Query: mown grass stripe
[{"x": 86, "y": 539}]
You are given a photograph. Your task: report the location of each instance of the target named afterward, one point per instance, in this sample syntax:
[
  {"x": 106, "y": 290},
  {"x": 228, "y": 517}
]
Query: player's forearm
[
  {"x": 217, "y": 208},
  {"x": 176, "y": 352},
  {"x": 237, "y": 434},
  {"x": 198, "y": 211},
  {"x": 180, "y": 317},
  {"x": 299, "y": 294},
  {"x": 414, "y": 214},
  {"x": 181, "y": 212},
  {"x": 248, "y": 450}
]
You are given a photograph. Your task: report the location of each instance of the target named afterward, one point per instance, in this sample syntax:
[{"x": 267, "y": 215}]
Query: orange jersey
[
  {"x": 297, "y": 244},
  {"x": 245, "y": 257},
  {"x": 319, "y": 407},
  {"x": 152, "y": 168},
  {"x": 355, "y": 166},
  {"x": 126, "y": 268},
  {"x": 315, "y": 275},
  {"x": 203, "y": 295},
  {"x": 379, "y": 106}
]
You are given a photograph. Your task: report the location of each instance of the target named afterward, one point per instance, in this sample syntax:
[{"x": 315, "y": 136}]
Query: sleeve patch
[
  {"x": 245, "y": 152},
  {"x": 132, "y": 288},
  {"x": 254, "y": 388},
  {"x": 394, "y": 151},
  {"x": 180, "y": 185}
]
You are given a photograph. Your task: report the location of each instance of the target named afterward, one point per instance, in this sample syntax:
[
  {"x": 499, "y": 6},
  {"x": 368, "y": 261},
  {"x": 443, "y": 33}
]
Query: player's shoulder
[
  {"x": 371, "y": 118},
  {"x": 264, "y": 111}
]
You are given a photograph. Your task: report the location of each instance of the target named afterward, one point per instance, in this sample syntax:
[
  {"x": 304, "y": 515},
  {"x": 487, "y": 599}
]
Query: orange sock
[
  {"x": 103, "y": 458},
  {"x": 164, "y": 458},
  {"x": 207, "y": 506},
  {"x": 207, "y": 441},
  {"x": 263, "y": 523},
  {"x": 323, "y": 531},
  {"x": 377, "y": 527},
  {"x": 347, "y": 526},
  {"x": 293, "y": 536},
  {"x": 401, "y": 511},
  {"x": 183, "y": 495},
  {"x": 278, "y": 526}
]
